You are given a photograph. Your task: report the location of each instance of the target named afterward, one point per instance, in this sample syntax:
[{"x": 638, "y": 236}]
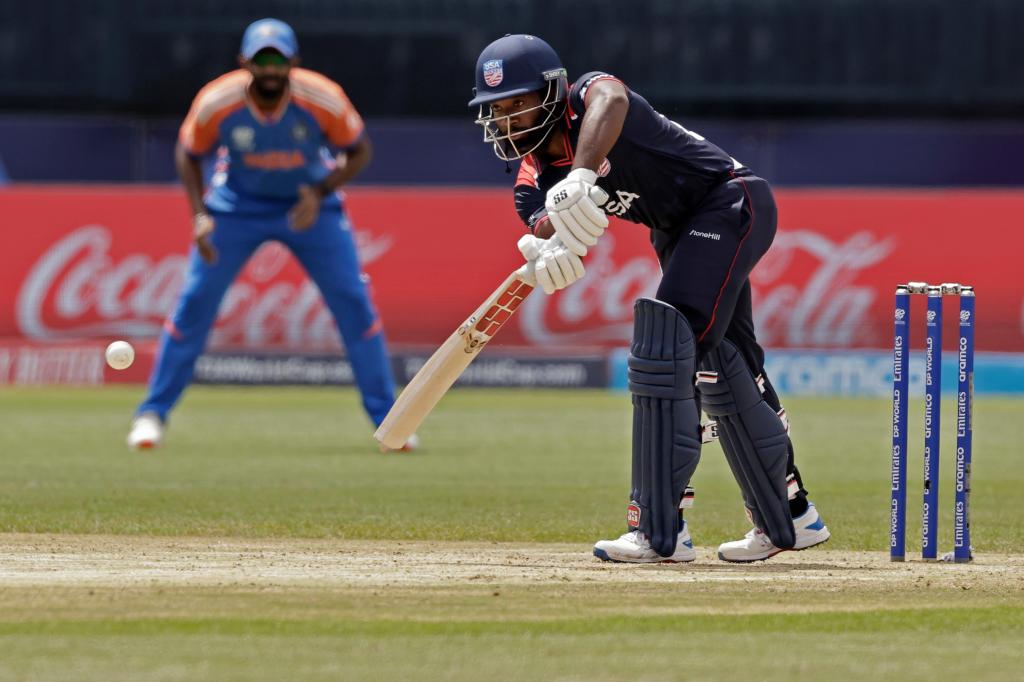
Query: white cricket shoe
[
  {"x": 412, "y": 444},
  {"x": 635, "y": 548},
  {"x": 147, "y": 432},
  {"x": 755, "y": 546}
]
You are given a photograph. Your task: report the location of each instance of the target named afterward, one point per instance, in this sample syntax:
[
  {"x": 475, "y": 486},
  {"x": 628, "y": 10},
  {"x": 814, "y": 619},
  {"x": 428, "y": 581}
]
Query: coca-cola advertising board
[{"x": 98, "y": 263}]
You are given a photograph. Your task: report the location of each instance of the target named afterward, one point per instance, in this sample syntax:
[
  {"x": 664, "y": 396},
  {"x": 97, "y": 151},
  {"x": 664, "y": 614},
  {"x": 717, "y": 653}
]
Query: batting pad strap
[
  {"x": 727, "y": 391},
  {"x": 709, "y": 432},
  {"x": 784, "y": 418},
  {"x": 792, "y": 487},
  {"x": 686, "y": 501}
]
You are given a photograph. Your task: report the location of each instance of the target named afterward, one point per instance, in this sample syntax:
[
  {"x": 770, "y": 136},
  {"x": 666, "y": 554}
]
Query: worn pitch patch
[{"x": 82, "y": 560}]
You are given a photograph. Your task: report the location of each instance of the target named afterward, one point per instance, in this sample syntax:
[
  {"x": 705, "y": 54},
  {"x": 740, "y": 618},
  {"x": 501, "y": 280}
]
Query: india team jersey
[
  {"x": 656, "y": 173},
  {"x": 263, "y": 158}
]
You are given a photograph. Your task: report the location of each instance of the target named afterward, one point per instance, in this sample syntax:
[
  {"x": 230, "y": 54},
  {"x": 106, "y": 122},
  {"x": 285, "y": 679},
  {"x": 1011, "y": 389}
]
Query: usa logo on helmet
[{"x": 493, "y": 72}]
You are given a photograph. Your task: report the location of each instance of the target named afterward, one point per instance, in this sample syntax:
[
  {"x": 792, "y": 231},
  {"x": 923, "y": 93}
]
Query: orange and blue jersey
[{"x": 263, "y": 158}]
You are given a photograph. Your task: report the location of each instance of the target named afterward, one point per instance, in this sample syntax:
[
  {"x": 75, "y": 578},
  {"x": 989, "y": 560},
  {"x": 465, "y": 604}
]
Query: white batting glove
[
  {"x": 556, "y": 267},
  {"x": 530, "y": 246},
  {"x": 574, "y": 208}
]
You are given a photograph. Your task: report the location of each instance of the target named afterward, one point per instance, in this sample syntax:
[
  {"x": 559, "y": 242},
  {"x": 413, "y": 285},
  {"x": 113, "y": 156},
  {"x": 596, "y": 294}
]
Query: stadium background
[{"x": 889, "y": 129}]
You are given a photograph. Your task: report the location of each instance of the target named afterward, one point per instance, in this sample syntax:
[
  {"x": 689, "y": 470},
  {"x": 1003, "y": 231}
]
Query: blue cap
[{"x": 269, "y": 33}]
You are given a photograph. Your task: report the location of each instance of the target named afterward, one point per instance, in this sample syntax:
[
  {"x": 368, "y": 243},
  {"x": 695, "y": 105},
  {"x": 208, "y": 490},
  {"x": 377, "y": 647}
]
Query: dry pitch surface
[{"x": 118, "y": 561}]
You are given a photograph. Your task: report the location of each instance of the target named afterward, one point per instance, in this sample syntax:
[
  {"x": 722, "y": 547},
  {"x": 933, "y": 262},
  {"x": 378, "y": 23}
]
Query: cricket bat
[{"x": 449, "y": 361}]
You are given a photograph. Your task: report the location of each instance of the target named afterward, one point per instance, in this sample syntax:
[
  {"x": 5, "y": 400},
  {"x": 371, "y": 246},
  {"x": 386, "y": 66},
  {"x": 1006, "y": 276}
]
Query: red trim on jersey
[
  {"x": 528, "y": 172},
  {"x": 602, "y": 77},
  {"x": 728, "y": 275},
  {"x": 567, "y": 150}
]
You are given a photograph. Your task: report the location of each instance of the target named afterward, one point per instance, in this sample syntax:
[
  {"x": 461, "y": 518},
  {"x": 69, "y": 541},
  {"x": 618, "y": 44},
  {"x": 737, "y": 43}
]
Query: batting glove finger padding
[{"x": 558, "y": 267}]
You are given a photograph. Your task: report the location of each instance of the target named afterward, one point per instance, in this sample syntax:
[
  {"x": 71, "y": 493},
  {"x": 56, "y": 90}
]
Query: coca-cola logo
[
  {"x": 807, "y": 294},
  {"x": 78, "y": 289}
]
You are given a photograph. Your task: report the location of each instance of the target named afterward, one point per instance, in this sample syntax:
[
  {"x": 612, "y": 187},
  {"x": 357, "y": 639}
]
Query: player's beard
[
  {"x": 526, "y": 142},
  {"x": 269, "y": 87}
]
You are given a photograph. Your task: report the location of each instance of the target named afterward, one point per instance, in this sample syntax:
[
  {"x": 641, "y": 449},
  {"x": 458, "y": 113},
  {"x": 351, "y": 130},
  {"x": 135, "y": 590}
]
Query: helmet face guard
[{"x": 529, "y": 139}]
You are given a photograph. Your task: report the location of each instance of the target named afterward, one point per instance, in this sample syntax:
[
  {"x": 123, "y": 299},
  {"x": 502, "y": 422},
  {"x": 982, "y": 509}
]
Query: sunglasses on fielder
[{"x": 270, "y": 58}]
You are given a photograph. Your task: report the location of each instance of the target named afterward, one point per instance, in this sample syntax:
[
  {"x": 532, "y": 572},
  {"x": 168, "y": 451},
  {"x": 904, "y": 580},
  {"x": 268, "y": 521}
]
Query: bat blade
[{"x": 449, "y": 361}]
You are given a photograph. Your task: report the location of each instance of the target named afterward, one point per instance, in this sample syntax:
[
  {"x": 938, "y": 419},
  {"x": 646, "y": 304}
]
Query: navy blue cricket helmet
[{"x": 515, "y": 65}]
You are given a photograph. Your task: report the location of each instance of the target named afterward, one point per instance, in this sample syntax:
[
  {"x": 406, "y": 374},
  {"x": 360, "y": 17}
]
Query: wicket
[{"x": 932, "y": 416}]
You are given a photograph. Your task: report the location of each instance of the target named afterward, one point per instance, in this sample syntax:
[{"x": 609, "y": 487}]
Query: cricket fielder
[
  {"x": 272, "y": 125},
  {"x": 596, "y": 148}
]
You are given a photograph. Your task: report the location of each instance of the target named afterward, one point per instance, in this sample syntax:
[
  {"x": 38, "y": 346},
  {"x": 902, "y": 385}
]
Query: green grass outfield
[{"x": 519, "y": 467}]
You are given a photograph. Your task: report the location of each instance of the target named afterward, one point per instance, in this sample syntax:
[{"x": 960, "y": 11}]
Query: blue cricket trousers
[{"x": 327, "y": 252}]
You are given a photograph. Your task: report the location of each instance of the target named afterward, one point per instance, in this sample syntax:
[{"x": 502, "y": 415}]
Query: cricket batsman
[
  {"x": 596, "y": 148},
  {"x": 286, "y": 140}
]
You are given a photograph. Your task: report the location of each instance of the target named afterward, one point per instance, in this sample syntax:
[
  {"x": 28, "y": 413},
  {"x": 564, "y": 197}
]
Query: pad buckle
[
  {"x": 705, "y": 377},
  {"x": 792, "y": 487},
  {"x": 686, "y": 501}
]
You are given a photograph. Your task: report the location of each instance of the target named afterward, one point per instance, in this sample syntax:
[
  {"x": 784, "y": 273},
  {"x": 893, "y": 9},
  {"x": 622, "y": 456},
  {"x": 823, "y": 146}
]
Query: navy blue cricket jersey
[{"x": 655, "y": 174}]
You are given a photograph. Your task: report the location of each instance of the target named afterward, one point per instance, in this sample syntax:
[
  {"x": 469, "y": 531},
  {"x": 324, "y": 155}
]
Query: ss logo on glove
[{"x": 574, "y": 209}]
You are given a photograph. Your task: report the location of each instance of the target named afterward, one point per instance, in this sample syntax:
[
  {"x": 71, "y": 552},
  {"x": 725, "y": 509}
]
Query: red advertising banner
[{"x": 107, "y": 262}]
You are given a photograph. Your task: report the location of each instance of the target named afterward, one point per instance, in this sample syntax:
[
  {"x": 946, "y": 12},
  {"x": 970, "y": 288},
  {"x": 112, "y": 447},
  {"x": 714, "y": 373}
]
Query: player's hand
[
  {"x": 556, "y": 267},
  {"x": 202, "y": 231},
  {"x": 305, "y": 212},
  {"x": 530, "y": 246},
  {"x": 574, "y": 208}
]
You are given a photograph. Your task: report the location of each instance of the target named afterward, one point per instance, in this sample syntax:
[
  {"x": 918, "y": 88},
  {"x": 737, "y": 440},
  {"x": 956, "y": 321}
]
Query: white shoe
[
  {"x": 147, "y": 432},
  {"x": 635, "y": 548},
  {"x": 412, "y": 444},
  {"x": 755, "y": 546}
]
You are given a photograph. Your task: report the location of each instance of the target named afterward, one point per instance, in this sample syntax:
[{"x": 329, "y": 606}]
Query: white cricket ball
[{"x": 120, "y": 355}]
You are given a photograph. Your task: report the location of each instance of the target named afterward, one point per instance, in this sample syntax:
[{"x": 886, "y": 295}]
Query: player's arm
[
  {"x": 607, "y": 104},
  {"x": 351, "y": 162},
  {"x": 190, "y": 171},
  {"x": 197, "y": 136},
  {"x": 574, "y": 204},
  {"x": 343, "y": 128}
]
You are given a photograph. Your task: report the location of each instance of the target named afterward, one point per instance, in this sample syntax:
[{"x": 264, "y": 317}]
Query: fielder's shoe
[
  {"x": 634, "y": 548},
  {"x": 755, "y": 546},
  {"x": 147, "y": 432}
]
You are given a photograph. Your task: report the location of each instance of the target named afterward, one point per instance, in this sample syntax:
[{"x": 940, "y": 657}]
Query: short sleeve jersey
[
  {"x": 262, "y": 159},
  {"x": 656, "y": 173}
]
